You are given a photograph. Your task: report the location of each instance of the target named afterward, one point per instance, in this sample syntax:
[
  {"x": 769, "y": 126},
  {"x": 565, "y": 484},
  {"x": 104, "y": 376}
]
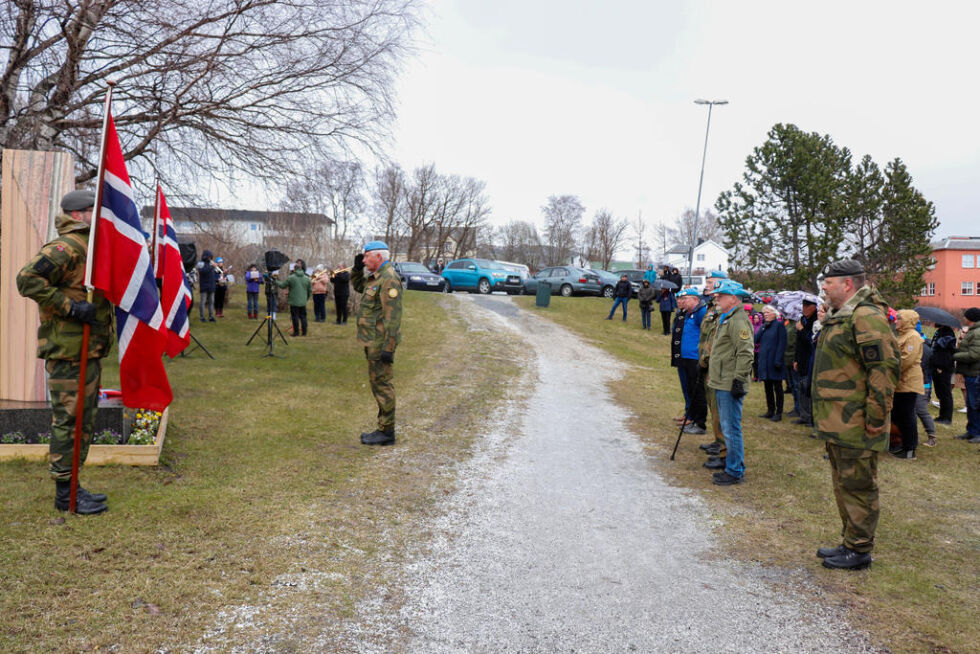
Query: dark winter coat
[
  {"x": 804, "y": 345},
  {"x": 943, "y": 347},
  {"x": 623, "y": 289},
  {"x": 668, "y": 302},
  {"x": 771, "y": 339}
]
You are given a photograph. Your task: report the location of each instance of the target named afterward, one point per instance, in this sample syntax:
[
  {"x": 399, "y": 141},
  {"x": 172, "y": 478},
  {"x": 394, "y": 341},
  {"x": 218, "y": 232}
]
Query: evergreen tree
[{"x": 787, "y": 216}]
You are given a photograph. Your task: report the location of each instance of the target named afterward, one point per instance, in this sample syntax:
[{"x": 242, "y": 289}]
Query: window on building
[
  {"x": 254, "y": 227},
  {"x": 932, "y": 288},
  {"x": 968, "y": 260},
  {"x": 966, "y": 288},
  {"x": 700, "y": 257}
]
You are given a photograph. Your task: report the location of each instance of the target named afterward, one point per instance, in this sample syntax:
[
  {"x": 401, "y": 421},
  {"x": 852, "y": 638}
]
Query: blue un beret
[
  {"x": 375, "y": 245},
  {"x": 718, "y": 274}
]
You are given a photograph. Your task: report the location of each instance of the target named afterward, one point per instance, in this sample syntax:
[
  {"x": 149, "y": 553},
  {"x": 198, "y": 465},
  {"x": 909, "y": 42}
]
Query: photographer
[{"x": 300, "y": 292}]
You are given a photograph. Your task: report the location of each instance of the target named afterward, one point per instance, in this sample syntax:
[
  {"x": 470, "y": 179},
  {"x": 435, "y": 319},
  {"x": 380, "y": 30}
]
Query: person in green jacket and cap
[
  {"x": 300, "y": 292},
  {"x": 729, "y": 373}
]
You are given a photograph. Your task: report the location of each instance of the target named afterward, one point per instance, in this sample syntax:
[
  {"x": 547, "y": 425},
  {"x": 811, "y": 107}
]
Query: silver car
[{"x": 565, "y": 281}]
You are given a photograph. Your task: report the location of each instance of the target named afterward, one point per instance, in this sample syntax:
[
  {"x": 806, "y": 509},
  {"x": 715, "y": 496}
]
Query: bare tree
[
  {"x": 336, "y": 188},
  {"x": 472, "y": 221},
  {"x": 389, "y": 202},
  {"x": 663, "y": 240},
  {"x": 204, "y": 90},
  {"x": 518, "y": 241},
  {"x": 641, "y": 247},
  {"x": 608, "y": 235},
  {"x": 708, "y": 228},
  {"x": 562, "y": 223}
]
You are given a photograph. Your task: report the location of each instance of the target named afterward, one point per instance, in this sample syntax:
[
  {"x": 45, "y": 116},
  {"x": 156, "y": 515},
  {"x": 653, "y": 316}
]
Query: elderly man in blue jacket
[{"x": 684, "y": 356}]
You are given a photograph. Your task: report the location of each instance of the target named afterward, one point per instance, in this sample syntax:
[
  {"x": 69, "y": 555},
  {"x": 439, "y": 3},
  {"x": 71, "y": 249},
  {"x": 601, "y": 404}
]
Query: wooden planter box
[{"x": 98, "y": 455}]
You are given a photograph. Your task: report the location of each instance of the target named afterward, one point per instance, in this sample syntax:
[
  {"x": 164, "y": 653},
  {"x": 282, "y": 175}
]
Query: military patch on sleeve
[
  {"x": 745, "y": 335},
  {"x": 392, "y": 292},
  {"x": 871, "y": 352},
  {"x": 43, "y": 266}
]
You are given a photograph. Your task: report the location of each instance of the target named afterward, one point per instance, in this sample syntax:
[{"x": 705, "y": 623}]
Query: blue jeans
[
  {"x": 619, "y": 301},
  {"x": 645, "y": 315},
  {"x": 972, "y": 405},
  {"x": 730, "y": 415},
  {"x": 253, "y": 302}
]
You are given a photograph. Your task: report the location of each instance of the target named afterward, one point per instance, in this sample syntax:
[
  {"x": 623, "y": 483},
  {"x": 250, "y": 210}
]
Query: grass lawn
[
  {"x": 264, "y": 499},
  {"x": 923, "y": 592}
]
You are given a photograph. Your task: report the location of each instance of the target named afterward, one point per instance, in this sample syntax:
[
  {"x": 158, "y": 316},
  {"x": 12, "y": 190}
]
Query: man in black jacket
[
  {"x": 622, "y": 294},
  {"x": 803, "y": 357}
]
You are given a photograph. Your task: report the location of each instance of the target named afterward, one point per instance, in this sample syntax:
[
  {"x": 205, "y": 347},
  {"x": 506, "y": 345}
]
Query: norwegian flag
[
  {"x": 121, "y": 270},
  {"x": 175, "y": 291}
]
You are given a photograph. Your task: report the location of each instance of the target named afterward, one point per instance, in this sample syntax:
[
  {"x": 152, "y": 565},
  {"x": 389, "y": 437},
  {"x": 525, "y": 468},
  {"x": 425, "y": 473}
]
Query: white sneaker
[
  {"x": 963, "y": 410},
  {"x": 935, "y": 403}
]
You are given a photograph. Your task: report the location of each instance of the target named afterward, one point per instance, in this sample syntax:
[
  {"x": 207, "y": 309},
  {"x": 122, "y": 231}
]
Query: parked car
[
  {"x": 565, "y": 281},
  {"x": 609, "y": 280},
  {"x": 480, "y": 275},
  {"x": 416, "y": 277},
  {"x": 518, "y": 268},
  {"x": 693, "y": 281}
]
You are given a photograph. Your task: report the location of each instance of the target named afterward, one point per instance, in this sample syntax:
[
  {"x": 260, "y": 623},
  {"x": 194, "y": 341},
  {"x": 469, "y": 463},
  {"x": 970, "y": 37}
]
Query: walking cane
[{"x": 679, "y": 434}]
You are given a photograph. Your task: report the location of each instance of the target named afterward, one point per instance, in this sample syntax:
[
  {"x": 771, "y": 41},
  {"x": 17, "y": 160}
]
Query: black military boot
[
  {"x": 378, "y": 437},
  {"x": 84, "y": 505},
  {"x": 714, "y": 449},
  {"x": 714, "y": 463},
  {"x": 829, "y": 552},
  {"x": 849, "y": 560},
  {"x": 776, "y": 417},
  {"x": 99, "y": 498}
]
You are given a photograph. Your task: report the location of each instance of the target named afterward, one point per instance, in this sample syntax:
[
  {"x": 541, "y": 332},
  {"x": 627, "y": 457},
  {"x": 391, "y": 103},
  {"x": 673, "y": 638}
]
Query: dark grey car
[{"x": 565, "y": 281}]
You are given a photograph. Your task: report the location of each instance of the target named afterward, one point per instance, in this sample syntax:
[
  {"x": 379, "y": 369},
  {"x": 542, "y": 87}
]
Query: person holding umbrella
[{"x": 941, "y": 361}]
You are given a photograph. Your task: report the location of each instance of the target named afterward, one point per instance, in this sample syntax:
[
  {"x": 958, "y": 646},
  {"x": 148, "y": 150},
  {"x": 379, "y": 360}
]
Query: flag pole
[
  {"x": 163, "y": 255},
  {"x": 86, "y": 327},
  {"x": 156, "y": 231}
]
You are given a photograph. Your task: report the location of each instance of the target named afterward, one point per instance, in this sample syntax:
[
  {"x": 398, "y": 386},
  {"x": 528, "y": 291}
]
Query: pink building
[{"x": 953, "y": 281}]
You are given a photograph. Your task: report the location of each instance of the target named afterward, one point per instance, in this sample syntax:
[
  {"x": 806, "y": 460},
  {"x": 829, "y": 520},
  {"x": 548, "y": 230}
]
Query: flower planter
[{"x": 132, "y": 455}]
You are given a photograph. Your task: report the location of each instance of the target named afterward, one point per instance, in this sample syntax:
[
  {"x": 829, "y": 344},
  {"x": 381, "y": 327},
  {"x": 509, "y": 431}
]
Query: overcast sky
[{"x": 595, "y": 99}]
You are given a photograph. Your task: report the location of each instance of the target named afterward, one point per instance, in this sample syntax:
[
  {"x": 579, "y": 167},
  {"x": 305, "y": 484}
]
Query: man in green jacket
[
  {"x": 300, "y": 292},
  {"x": 967, "y": 358},
  {"x": 729, "y": 373},
  {"x": 379, "y": 321},
  {"x": 55, "y": 279},
  {"x": 855, "y": 371}
]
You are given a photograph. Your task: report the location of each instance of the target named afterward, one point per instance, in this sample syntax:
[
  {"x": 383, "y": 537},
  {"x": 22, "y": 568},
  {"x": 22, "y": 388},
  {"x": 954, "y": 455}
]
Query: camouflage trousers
[
  {"x": 63, "y": 389},
  {"x": 715, "y": 419},
  {"x": 855, "y": 477},
  {"x": 380, "y": 374}
]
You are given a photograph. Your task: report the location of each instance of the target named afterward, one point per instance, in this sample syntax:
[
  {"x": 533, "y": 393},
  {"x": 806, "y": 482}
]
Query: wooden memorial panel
[{"x": 33, "y": 184}]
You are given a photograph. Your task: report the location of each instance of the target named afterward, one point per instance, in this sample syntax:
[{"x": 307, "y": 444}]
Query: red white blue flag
[
  {"x": 121, "y": 269},
  {"x": 175, "y": 292}
]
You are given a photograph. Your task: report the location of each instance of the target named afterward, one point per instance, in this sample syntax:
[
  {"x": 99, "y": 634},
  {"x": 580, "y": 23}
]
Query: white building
[
  {"x": 708, "y": 256},
  {"x": 245, "y": 227}
]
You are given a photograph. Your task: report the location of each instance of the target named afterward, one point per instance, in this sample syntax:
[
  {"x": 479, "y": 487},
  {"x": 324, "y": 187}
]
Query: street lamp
[{"x": 697, "y": 207}]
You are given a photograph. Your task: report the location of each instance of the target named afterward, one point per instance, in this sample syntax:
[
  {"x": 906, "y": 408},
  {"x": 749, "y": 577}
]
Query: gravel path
[{"x": 564, "y": 538}]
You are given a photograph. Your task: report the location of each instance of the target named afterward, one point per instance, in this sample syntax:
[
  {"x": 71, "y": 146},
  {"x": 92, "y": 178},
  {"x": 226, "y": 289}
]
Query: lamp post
[{"x": 697, "y": 207}]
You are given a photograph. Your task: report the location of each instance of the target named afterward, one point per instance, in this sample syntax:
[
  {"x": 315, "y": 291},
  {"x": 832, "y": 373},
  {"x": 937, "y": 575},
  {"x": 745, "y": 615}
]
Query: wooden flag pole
[
  {"x": 87, "y": 328},
  {"x": 155, "y": 258}
]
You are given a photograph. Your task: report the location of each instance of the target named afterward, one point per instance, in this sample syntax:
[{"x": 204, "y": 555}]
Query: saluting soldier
[
  {"x": 855, "y": 372},
  {"x": 55, "y": 279},
  {"x": 379, "y": 320}
]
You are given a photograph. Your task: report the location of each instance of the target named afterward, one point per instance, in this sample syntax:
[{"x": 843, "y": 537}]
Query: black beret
[
  {"x": 972, "y": 314},
  {"x": 843, "y": 268},
  {"x": 77, "y": 201}
]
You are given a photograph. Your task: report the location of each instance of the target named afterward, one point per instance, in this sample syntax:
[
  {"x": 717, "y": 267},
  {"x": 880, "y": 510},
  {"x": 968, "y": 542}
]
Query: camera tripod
[{"x": 269, "y": 323}]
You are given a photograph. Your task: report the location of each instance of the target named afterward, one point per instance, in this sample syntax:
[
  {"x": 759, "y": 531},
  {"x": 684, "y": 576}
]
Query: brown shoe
[{"x": 931, "y": 442}]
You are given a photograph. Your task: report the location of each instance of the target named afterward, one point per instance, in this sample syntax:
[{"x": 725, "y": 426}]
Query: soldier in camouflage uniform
[
  {"x": 855, "y": 372},
  {"x": 55, "y": 279},
  {"x": 379, "y": 320}
]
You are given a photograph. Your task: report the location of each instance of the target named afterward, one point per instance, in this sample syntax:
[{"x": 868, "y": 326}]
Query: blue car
[
  {"x": 480, "y": 275},
  {"x": 565, "y": 281}
]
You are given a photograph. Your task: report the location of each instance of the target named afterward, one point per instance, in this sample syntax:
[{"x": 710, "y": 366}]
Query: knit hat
[{"x": 972, "y": 314}]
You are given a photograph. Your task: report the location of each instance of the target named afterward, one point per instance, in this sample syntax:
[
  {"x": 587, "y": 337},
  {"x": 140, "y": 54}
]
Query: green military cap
[
  {"x": 77, "y": 201},
  {"x": 843, "y": 268}
]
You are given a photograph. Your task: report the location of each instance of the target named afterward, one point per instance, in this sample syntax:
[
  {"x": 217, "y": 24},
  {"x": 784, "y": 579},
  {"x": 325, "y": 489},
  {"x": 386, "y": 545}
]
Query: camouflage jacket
[
  {"x": 708, "y": 326},
  {"x": 379, "y": 318},
  {"x": 732, "y": 350},
  {"x": 855, "y": 372},
  {"x": 55, "y": 277}
]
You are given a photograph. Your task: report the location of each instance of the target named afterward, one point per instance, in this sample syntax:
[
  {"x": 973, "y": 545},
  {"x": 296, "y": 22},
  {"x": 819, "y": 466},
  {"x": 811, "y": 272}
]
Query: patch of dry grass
[
  {"x": 268, "y": 522},
  {"x": 923, "y": 592}
]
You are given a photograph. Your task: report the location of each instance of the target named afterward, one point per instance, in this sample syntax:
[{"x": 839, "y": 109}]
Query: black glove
[
  {"x": 358, "y": 262},
  {"x": 82, "y": 312},
  {"x": 387, "y": 357},
  {"x": 738, "y": 389}
]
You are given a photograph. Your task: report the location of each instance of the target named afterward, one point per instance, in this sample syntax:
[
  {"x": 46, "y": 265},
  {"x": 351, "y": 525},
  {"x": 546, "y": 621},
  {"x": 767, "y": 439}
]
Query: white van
[{"x": 693, "y": 281}]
